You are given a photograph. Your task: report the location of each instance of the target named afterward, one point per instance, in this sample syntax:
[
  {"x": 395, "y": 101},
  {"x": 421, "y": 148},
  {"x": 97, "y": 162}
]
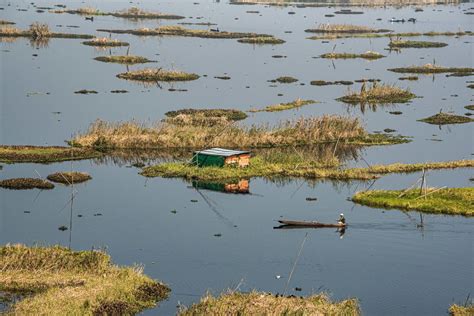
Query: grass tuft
[
  {"x": 380, "y": 94},
  {"x": 105, "y": 42},
  {"x": 458, "y": 310},
  {"x": 344, "y": 29}
]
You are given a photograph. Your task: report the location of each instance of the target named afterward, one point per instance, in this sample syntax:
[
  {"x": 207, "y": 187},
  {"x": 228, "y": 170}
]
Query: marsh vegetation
[
  {"x": 454, "y": 201},
  {"x": 366, "y": 55},
  {"x": 130, "y": 13},
  {"x": 105, "y": 42},
  {"x": 69, "y": 177},
  {"x": 42, "y": 154},
  {"x": 74, "y": 282},
  {"x": 285, "y": 106},
  {"x": 432, "y": 69},
  {"x": 26, "y": 184},
  {"x": 380, "y": 94},
  {"x": 157, "y": 74},
  {"x": 446, "y": 118},
  {"x": 128, "y": 59}
]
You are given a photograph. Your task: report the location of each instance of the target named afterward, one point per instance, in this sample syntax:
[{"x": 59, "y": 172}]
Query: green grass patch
[
  {"x": 431, "y": 69},
  {"x": 290, "y": 165},
  {"x": 366, "y": 55},
  {"x": 286, "y": 106},
  {"x": 129, "y": 60},
  {"x": 415, "y": 44},
  {"x": 453, "y": 201},
  {"x": 259, "y": 303},
  {"x": 378, "y": 94},
  {"x": 158, "y": 74},
  {"x": 261, "y": 40},
  {"x": 445, "y": 118},
  {"x": 40, "y": 154},
  {"x": 56, "y": 280}
]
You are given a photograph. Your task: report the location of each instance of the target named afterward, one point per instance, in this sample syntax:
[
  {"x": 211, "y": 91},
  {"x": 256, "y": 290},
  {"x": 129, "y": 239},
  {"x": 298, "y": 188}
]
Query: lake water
[{"x": 386, "y": 261}]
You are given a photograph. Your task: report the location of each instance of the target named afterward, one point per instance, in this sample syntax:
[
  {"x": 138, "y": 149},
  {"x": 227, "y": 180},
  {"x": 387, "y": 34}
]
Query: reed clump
[
  {"x": 130, "y": 13},
  {"x": 55, "y": 280},
  {"x": 158, "y": 74},
  {"x": 259, "y": 303},
  {"x": 459, "y": 310},
  {"x": 303, "y": 131},
  {"x": 128, "y": 59},
  {"x": 26, "y": 184},
  {"x": 380, "y": 94},
  {"x": 69, "y": 177},
  {"x": 453, "y": 201},
  {"x": 366, "y": 55},
  {"x": 446, "y": 118}
]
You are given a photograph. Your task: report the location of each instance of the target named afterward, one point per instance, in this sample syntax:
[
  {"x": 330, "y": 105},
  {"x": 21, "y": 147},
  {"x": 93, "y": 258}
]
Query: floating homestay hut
[{"x": 220, "y": 157}]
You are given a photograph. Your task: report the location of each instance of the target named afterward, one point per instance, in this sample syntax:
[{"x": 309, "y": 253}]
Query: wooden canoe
[{"x": 310, "y": 224}]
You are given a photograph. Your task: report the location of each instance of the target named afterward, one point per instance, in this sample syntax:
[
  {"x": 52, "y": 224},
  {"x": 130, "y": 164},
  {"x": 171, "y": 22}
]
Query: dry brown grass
[
  {"x": 69, "y": 177},
  {"x": 458, "y": 310},
  {"x": 105, "y": 42},
  {"x": 327, "y": 28},
  {"x": 303, "y": 131},
  {"x": 258, "y": 303},
  {"x": 39, "y": 30},
  {"x": 9, "y": 30}
]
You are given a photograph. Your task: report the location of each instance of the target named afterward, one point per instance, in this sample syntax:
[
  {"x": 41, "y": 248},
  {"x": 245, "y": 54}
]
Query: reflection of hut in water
[
  {"x": 239, "y": 187},
  {"x": 220, "y": 157}
]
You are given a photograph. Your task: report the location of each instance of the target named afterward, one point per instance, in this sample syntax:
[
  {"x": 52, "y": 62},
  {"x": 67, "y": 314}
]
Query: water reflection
[{"x": 241, "y": 186}]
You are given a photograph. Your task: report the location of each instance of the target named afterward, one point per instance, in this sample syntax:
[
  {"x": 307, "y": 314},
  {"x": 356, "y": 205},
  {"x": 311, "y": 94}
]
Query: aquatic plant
[
  {"x": 378, "y": 94},
  {"x": 446, "y": 118},
  {"x": 5, "y": 22},
  {"x": 469, "y": 107},
  {"x": 259, "y": 303},
  {"x": 42, "y": 154},
  {"x": 130, "y": 13},
  {"x": 366, "y": 55},
  {"x": 285, "y": 106},
  {"x": 459, "y": 310},
  {"x": 128, "y": 59},
  {"x": 26, "y": 184},
  {"x": 57, "y": 280},
  {"x": 158, "y": 74},
  {"x": 39, "y": 30},
  {"x": 454, "y": 201},
  {"x": 390, "y": 35},
  {"x": 69, "y": 177},
  {"x": 327, "y": 83}
]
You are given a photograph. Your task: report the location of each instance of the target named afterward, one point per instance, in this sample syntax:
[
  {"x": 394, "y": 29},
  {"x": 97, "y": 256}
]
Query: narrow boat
[{"x": 310, "y": 224}]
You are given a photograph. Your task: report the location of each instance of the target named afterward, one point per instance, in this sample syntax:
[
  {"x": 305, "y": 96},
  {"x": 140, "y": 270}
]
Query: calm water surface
[{"x": 383, "y": 259}]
